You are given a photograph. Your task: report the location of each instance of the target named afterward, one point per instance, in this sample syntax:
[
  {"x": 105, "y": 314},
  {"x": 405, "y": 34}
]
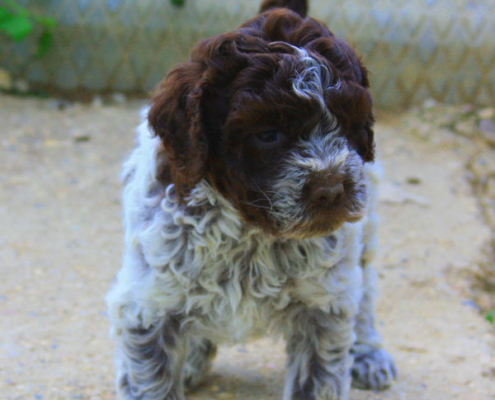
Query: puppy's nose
[{"x": 326, "y": 195}]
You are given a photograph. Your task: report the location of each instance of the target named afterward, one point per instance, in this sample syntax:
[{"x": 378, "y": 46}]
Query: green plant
[
  {"x": 490, "y": 317},
  {"x": 178, "y": 3},
  {"x": 17, "y": 23}
]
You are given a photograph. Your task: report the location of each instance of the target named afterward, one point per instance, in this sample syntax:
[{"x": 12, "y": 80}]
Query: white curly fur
[{"x": 315, "y": 79}]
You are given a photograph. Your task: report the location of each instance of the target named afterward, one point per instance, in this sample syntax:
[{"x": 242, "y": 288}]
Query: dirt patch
[
  {"x": 61, "y": 245},
  {"x": 472, "y": 131}
]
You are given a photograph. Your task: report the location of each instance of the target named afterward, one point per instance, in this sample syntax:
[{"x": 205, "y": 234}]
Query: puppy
[{"x": 250, "y": 209}]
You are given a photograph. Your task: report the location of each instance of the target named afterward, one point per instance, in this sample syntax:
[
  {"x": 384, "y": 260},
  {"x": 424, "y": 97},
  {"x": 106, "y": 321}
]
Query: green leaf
[
  {"x": 178, "y": 3},
  {"x": 44, "y": 43},
  {"x": 490, "y": 317},
  {"x": 5, "y": 14},
  {"x": 84, "y": 138},
  {"x": 17, "y": 27},
  {"x": 46, "y": 21},
  {"x": 20, "y": 10}
]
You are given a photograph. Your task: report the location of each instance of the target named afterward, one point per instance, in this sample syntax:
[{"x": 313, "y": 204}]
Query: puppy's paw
[
  {"x": 198, "y": 362},
  {"x": 374, "y": 370}
]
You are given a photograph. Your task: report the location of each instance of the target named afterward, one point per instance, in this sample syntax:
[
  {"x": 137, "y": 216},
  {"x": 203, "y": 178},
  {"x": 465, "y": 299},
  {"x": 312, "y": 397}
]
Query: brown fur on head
[
  {"x": 298, "y": 6},
  {"x": 218, "y": 113}
]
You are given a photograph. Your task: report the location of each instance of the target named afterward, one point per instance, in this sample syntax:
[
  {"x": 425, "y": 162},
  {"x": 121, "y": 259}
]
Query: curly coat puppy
[{"x": 250, "y": 209}]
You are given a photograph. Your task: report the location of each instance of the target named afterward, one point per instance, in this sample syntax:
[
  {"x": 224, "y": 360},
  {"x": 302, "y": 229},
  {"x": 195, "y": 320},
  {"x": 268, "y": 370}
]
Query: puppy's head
[{"x": 277, "y": 117}]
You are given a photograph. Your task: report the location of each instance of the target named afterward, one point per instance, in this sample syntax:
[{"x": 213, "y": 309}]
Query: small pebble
[
  {"x": 471, "y": 304},
  {"x": 97, "y": 102},
  {"x": 5, "y": 80},
  {"x": 467, "y": 108},
  {"x": 429, "y": 104},
  {"x": 21, "y": 86},
  {"x": 118, "y": 98},
  {"x": 464, "y": 128},
  {"x": 59, "y": 104},
  {"x": 486, "y": 113},
  {"x": 487, "y": 125}
]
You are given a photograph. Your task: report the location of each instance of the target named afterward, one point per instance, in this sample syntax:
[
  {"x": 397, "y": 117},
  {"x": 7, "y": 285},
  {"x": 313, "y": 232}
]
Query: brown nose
[{"x": 327, "y": 195}]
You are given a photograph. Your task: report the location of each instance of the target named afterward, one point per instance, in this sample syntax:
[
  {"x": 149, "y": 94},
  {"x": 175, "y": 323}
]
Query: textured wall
[{"x": 416, "y": 49}]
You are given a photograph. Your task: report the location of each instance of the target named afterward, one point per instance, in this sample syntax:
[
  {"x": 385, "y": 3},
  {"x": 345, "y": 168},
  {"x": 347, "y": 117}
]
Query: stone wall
[{"x": 415, "y": 49}]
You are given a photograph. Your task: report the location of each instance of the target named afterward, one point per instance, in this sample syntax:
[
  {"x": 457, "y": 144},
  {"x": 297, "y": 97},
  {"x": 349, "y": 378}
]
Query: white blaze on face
[
  {"x": 314, "y": 80},
  {"x": 322, "y": 152}
]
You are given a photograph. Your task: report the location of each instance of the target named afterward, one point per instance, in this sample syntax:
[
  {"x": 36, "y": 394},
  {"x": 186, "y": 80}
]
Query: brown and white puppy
[{"x": 250, "y": 209}]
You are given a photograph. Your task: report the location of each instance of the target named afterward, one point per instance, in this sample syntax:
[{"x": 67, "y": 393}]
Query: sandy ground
[{"x": 61, "y": 240}]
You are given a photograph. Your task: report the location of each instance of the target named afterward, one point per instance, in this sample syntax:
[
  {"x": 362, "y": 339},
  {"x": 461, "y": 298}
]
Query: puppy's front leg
[
  {"x": 150, "y": 362},
  {"x": 319, "y": 360},
  {"x": 373, "y": 367}
]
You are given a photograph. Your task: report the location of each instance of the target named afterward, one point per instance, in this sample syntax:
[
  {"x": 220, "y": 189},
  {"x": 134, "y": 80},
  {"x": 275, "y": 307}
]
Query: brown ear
[{"x": 175, "y": 116}]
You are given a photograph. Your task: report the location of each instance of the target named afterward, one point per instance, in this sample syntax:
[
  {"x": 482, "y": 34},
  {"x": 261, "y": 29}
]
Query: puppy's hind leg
[{"x": 200, "y": 355}]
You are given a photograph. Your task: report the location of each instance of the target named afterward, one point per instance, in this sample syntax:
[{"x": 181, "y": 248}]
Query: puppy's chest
[
  {"x": 247, "y": 283},
  {"x": 241, "y": 276},
  {"x": 233, "y": 278}
]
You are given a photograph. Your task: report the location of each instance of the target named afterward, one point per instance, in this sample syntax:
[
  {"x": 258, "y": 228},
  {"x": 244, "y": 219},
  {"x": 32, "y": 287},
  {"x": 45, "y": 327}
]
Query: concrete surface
[{"x": 61, "y": 240}]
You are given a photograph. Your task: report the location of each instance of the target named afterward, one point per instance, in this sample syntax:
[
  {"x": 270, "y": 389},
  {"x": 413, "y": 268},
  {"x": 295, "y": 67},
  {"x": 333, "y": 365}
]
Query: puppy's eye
[{"x": 269, "y": 136}]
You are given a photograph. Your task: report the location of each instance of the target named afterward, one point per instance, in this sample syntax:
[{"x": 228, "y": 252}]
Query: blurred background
[
  {"x": 416, "y": 49},
  {"x": 74, "y": 75}
]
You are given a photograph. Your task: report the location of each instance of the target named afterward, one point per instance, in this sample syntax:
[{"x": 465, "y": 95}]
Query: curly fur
[
  {"x": 229, "y": 236},
  {"x": 222, "y": 281}
]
